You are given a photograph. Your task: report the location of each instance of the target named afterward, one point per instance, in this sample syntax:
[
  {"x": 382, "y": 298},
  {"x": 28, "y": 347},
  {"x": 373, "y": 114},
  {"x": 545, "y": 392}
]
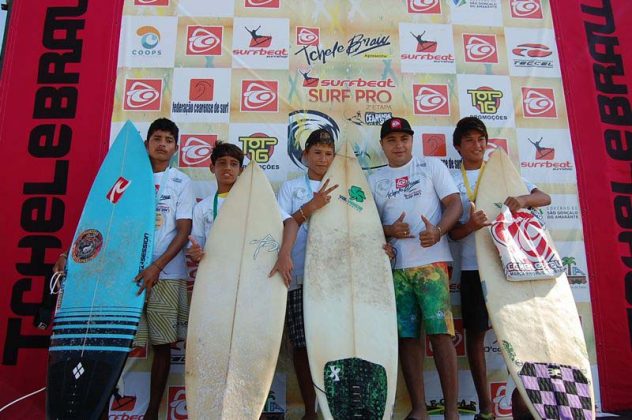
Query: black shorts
[
  {"x": 473, "y": 309},
  {"x": 294, "y": 318}
]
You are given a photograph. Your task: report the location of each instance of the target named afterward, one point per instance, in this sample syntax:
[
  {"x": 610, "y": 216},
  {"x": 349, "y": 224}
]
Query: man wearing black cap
[{"x": 410, "y": 193}]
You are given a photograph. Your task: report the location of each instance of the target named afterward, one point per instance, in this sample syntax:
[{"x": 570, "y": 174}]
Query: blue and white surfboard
[{"x": 99, "y": 313}]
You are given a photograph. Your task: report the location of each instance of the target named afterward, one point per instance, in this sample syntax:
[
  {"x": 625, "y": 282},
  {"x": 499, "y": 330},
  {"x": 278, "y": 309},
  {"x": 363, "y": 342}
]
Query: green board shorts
[
  {"x": 423, "y": 294},
  {"x": 166, "y": 314}
]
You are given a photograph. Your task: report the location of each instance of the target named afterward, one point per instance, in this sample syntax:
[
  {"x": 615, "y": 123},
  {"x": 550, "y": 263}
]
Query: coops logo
[
  {"x": 196, "y": 149},
  {"x": 424, "y": 6},
  {"x": 259, "y": 96},
  {"x": 480, "y": 48},
  {"x": 538, "y": 103},
  {"x": 204, "y": 40},
  {"x": 142, "y": 94},
  {"x": 149, "y": 36},
  {"x": 526, "y": 9},
  {"x": 431, "y": 100},
  {"x": 201, "y": 89}
]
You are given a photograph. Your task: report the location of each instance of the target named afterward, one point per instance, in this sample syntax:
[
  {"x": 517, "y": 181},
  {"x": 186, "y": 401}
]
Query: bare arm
[
  {"x": 284, "y": 264},
  {"x": 536, "y": 198},
  {"x": 149, "y": 276}
]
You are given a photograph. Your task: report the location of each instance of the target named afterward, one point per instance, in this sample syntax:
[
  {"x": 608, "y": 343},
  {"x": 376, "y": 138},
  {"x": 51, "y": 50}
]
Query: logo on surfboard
[
  {"x": 118, "y": 189},
  {"x": 87, "y": 246}
]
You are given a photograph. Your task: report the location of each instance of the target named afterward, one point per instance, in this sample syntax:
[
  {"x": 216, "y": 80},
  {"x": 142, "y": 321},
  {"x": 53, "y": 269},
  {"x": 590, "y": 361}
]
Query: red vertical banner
[
  {"x": 595, "y": 47},
  {"x": 56, "y": 93}
]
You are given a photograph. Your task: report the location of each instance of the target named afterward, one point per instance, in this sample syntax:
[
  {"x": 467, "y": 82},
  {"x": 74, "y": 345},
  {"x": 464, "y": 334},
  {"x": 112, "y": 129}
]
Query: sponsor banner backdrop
[
  {"x": 56, "y": 94},
  {"x": 263, "y": 74},
  {"x": 594, "y": 59}
]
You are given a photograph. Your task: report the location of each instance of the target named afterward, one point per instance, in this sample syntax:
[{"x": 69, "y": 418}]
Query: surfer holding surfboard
[
  {"x": 409, "y": 194},
  {"x": 167, "y": 308},
  {"x": 470, "y": 140},
  {"x": 301, "y": 197}
]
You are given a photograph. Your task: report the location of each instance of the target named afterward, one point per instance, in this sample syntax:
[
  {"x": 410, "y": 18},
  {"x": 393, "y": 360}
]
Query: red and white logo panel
[
  {"x": 401, "y": 182},
  {"x": 259, "y": 96},
  {"x": 151, "y": 2},
  {"x": 424, "y": 6},
  {"x": 480, "y": 48},
  {"x": 307, "y": 36},
  {"x": 526, "y": 9},
  {"x": 434, "y": 144},
  {"x": 500, "y": 399},
  {"x": 538, "y": 103},
  {"x": 196, "y": 149},
  {"x": 142, "y": 94},
  {"x": 177, "y": 405},
  {"x": 201, "y": 89},
  {"x": 204, "y": 40},
  {"x": 266, "y": 4},
  {"x": 431, "y": 100},
  {"x": 118, "y": 189}
]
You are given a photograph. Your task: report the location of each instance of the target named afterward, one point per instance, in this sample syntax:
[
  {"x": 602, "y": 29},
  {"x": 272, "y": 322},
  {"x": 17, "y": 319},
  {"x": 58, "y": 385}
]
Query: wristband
[
  {"x": 439, "y": 229},
  {"x": 64, "y": 254},
  {"x": 300, "y": 209},
  {"x": 159, "y": 267}
]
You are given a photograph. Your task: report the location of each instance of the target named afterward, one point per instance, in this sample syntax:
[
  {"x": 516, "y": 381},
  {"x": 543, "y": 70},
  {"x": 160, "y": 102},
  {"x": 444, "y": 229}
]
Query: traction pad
[
  {"x": 355, "y": 389},
  {"x": 557, "y": 391}
]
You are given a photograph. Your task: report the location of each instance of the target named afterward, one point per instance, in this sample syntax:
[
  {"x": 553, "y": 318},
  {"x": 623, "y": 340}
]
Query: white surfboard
[
  {"x": 237, "y": 312},
  {"x": 536, "y": 321},
  {"x": 349, "y": 301}
]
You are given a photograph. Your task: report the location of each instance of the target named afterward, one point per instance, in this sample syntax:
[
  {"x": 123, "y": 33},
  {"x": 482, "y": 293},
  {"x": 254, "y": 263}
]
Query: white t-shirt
[
  {"x": 203, "y": 218},
  {"x": 467, "y": 245},
  {"x": 175, "y": 201},
  {"x": 415, "y": 188},
  {"x": 292, "y": 195}
]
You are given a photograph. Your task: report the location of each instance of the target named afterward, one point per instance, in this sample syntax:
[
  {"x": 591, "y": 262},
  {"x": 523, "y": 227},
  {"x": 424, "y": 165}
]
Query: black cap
[
  {"x": 395, "y": 125},
  {"x": 322, "y": 135}
]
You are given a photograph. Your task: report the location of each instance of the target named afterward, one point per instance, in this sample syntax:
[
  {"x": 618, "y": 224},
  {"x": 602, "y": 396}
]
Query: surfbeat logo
[
  {"x": 177, "y": 405},
  {"x": 265, "y": 4},
  {"x": 307, "y": 36},
  {"x": 431, "y": 100},
  {"x": 300, "y": 125},
  {"x": 480, "y": 48},
  {"x": 149, "y": 39},
  {"x": 260, "y": 148},
  {"x": 196, "y": 149},
  {"x": 117, "y": 190},
  {"x": 142, "y": 94},
  {"x": 538, "y": 103},
  {"x": 424, "y": 6},
  {"x": 259, "y": 96},
  {"x": 523, "y": 246},
  {"x": 204, "y": 40},
  {"x": 526, "y": 9},
  {"x": 347, "y": 90},
  {"x": 260, "y": 45},
  {"x": 458, "y": 341}
]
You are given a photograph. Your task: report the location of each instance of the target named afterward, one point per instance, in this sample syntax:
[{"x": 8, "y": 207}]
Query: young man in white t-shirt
[
  {"x": 470, "y": 140},
  {"x": 166, "y": 313},
  {"x": 410, "y": 194}
]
